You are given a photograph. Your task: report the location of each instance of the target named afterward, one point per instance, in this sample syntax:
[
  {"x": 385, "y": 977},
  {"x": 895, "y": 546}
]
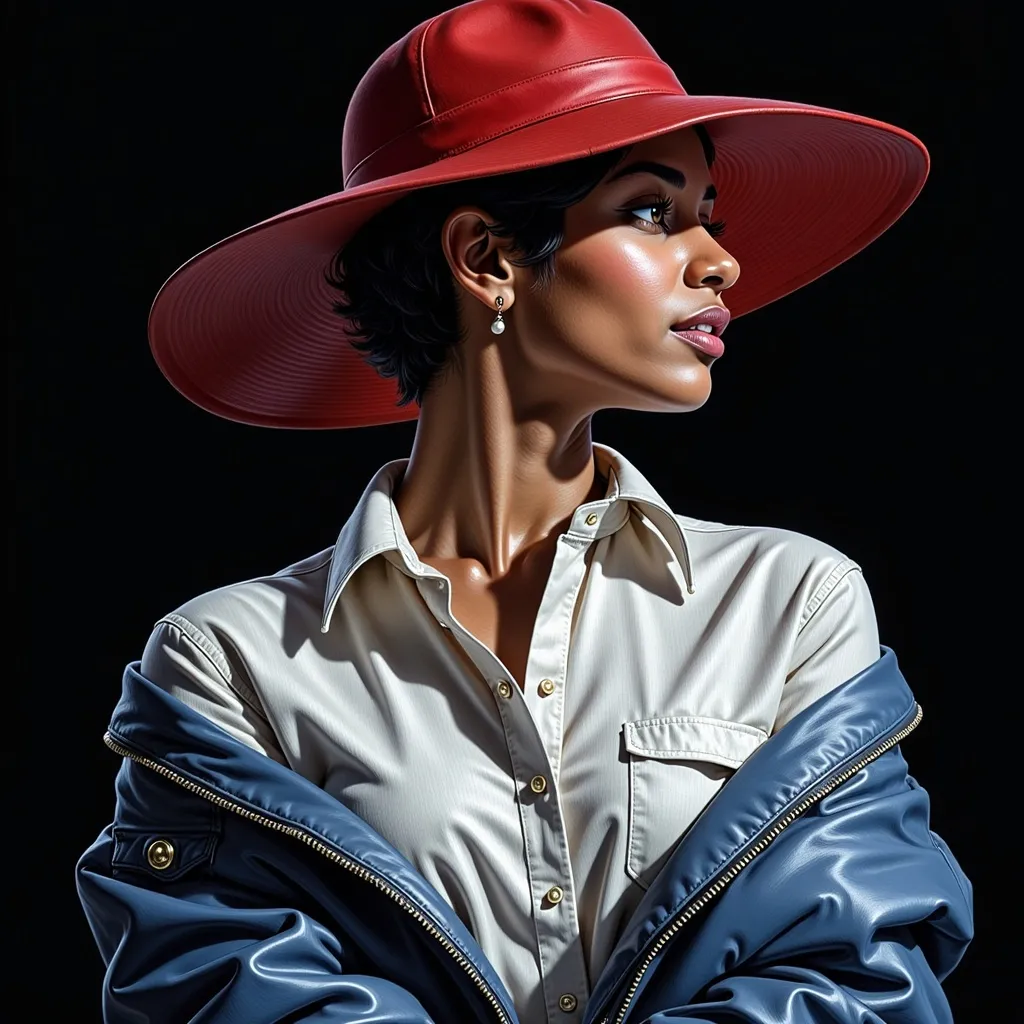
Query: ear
[{"x": 478, "y": 259}]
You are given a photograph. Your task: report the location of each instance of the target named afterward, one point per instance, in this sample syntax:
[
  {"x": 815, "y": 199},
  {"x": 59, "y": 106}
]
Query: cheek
[
  {"x": 619, "y": 277},
  {"x": 608, "y": 306}
]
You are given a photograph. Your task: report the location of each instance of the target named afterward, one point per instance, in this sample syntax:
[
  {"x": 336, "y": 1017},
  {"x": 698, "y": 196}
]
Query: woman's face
[{"x": 642, "y": 256}]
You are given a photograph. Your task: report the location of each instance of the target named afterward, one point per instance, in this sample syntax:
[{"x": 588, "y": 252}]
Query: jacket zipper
[
  {"x": 723, "y": 879},
  {"x": 310, "y": 840}
]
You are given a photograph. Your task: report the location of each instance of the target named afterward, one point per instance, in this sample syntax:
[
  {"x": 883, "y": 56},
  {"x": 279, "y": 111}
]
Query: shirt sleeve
[
  {"x": 184, "y": 662},
  {"x": 837, "y": 639}
]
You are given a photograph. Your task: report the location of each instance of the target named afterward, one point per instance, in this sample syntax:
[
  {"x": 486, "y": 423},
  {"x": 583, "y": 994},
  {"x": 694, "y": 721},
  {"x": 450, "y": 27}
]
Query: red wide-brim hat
[{"x": 246, "y": 328}]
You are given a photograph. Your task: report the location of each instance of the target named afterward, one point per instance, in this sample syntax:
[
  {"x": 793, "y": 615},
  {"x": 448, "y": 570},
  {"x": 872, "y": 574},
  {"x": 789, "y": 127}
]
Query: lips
[
  {"x": 703, "y": 330},
  {"x": 717, "y": 317}
]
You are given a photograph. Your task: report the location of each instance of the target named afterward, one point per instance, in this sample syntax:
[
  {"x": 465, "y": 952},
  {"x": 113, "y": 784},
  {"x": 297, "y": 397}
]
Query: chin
[
  {"x": 688, "y": 400},
  {"x": 692, "y": 392},
  {"x": 693, "y": 406}
]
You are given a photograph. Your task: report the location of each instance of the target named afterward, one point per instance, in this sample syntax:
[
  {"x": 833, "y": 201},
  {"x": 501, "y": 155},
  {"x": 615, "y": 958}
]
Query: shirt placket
[
  {"x": 532, "y": 719},
  {"x": 542, "y": 702}
]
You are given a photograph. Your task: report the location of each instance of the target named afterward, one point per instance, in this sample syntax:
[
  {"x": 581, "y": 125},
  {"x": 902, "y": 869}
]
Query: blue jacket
[{"x": 230, "y": 889}]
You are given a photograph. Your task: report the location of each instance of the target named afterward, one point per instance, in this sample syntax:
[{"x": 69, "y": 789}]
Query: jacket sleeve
[
  {"x": 234, "y": 930},
  {"x": 853, "y": 914}
]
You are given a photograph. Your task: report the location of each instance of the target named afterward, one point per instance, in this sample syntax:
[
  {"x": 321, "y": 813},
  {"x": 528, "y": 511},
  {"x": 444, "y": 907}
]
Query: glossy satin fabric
[
  {"x": 351, "y": 668},
  {"x": 854, "y": 913}
]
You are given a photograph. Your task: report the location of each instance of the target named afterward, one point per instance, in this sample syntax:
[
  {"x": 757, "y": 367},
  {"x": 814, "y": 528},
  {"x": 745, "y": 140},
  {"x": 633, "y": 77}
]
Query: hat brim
[{"x": 245, "y": 329}]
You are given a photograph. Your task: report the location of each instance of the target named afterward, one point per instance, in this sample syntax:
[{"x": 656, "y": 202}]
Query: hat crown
[{"x": 513, "y": 61}]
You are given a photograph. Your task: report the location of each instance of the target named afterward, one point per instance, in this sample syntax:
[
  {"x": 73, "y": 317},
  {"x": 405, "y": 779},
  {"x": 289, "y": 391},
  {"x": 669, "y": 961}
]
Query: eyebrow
[{"x": 667, "y": 174}]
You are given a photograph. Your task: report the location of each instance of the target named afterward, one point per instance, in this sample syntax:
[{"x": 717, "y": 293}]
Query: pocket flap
[
  {"x": 166, "y": 854},
  {"x": 692, "y": 738}
]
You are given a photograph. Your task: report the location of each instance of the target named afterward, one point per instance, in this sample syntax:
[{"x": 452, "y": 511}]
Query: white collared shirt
[{"x": 540, "y": 814}]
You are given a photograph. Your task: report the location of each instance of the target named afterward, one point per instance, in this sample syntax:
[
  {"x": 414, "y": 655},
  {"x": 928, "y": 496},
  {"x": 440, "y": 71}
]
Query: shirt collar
[{"x": 374, "y": 527}]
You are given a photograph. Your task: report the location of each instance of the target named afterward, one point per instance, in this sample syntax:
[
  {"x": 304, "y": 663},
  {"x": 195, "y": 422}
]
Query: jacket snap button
[
  {"x": 591, "y": 519},
  {"x": 555, "y": 894},
  {"x": 567, "y": 1002},
  {"x": 547, "y": 687},
  {"x": 538, "y": 783},
  {"x": 505, "y": 689},
  {"x": 160, "y": 854}
]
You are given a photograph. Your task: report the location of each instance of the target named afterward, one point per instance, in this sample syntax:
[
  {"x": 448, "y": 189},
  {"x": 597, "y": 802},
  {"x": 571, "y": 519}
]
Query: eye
[
  {"x": 656, "y": 212},
  {"x": 715, "y": 228}
]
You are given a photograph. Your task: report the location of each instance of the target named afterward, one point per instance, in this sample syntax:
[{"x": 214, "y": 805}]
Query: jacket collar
[
  {"x": 374, "y": 527},
  {"x": 824, "y": 738}
]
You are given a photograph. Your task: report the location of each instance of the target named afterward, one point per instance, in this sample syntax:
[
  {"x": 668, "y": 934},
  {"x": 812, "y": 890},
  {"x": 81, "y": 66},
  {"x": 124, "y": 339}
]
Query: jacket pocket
[
  {"x": 163, "y": 855},
  {"x": 677, "y": 764}
]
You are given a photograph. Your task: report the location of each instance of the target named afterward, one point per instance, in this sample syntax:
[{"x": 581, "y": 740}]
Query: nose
[{"x": 711, "y": 266}]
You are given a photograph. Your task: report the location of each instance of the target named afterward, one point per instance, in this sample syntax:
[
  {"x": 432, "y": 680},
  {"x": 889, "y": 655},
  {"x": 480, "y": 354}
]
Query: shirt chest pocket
[{"x": 677, "y": 764}]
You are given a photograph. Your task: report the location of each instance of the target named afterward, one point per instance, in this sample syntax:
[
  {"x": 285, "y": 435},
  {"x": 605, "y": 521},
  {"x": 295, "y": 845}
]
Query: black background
[{"x": 853, "y": 410}]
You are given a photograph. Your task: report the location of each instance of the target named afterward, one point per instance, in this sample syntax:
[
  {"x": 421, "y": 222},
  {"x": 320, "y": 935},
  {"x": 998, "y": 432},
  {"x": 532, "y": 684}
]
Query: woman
[{"x": 471, "y": 762}]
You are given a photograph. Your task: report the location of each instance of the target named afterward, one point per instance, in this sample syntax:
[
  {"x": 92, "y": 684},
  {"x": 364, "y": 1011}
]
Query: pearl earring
[{"x": 498, "y": 324}]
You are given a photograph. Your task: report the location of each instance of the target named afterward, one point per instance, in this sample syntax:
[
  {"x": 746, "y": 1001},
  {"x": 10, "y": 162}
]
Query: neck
[{"x": 487, "y": 481}]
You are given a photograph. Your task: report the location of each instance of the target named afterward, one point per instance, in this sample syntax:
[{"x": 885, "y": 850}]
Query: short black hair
[{"x": 397, "y": 288}]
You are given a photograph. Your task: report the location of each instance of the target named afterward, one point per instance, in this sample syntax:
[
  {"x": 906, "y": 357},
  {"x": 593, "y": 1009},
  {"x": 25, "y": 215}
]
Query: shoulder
[
  {"x": 262, "y": 602},
  {"x": 805, "y": 601},
  {"x": 226, "y": 632},
  {"x": 791, "y": 569},
  {"x": 215, "y": 651}
]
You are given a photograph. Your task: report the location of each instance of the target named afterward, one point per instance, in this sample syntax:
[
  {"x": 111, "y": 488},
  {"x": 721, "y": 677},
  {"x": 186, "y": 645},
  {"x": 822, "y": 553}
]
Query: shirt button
[
  {"x": 547, "y": 687},
  {"x": 554, "y": 894},
  {"x": 504, "y": 689},
  {"x": 591, "y": 519},
  {"x": 567, "y": 1002},
  {"x": 538, "y": 783}
]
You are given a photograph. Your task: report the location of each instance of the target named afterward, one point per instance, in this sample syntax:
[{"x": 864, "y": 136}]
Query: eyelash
[{"x": 666, "y": 204}]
